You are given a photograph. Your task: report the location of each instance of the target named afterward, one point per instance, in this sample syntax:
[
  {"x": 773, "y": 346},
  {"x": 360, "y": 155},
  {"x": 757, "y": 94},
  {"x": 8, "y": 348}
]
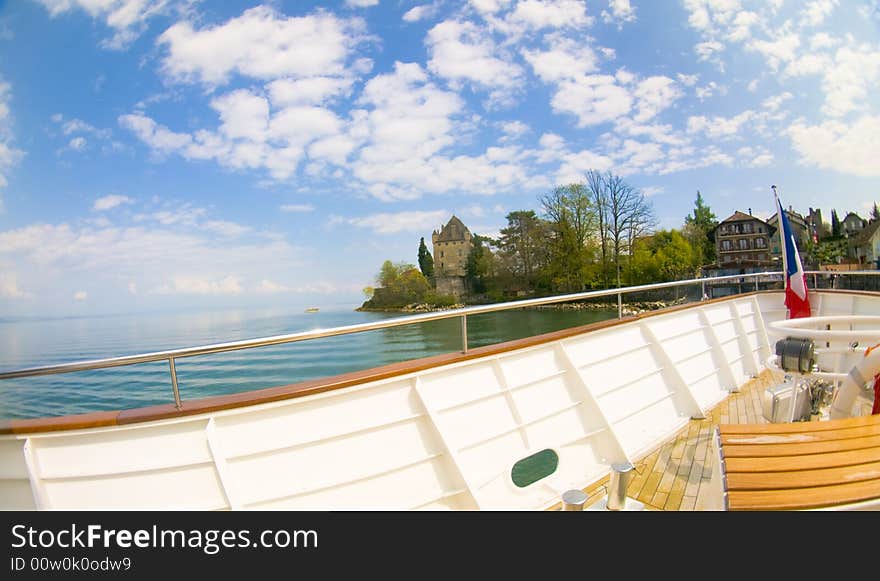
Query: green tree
[
  {"x": 875, "y": 213},
  {"x": 426, "y": 261},
  {"x": 399, "y": 284},
  {"x": 698, "y": 229},
  {"x": 664, "y": 256},
  {"x": 572, "y": 218},
  {"x": 835, "y": 224},
  {"x": 523, "y": 244},
  {"x": 478, "y": 267}
]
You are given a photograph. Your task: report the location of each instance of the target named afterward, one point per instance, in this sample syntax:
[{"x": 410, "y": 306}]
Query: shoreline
[{"x": 631, "y": 308}]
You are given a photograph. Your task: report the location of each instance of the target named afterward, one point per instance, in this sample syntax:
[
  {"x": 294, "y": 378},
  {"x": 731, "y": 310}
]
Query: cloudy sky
[{"x": 170, "y": 154}]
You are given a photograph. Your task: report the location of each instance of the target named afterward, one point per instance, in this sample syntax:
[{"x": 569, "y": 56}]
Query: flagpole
[{"x": 781, "y": 236}]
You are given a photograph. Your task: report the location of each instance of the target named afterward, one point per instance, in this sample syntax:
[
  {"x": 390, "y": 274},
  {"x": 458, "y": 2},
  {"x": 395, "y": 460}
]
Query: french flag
[{"x": 796, "y": 299}]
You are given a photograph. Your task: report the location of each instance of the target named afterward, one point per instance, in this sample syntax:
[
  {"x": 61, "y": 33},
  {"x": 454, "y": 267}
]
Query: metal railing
[{"x": 173, "y": 354}]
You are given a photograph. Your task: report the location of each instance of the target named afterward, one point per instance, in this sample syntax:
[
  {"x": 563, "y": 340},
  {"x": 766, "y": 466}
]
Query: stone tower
[{"x": 452, "y": 244}]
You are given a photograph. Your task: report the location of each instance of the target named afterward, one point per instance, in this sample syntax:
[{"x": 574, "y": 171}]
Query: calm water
[{"x": 31, "y": 342}]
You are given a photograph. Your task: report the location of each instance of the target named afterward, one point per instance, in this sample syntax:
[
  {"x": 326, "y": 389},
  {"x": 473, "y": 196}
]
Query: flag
[{"x": 796, "y": 299}]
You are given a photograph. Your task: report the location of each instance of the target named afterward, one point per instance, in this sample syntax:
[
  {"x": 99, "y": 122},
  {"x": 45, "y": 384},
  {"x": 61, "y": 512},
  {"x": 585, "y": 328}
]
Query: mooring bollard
[
  {"x": 573, "y": 499},
  {"x": 621, "y": 474}
]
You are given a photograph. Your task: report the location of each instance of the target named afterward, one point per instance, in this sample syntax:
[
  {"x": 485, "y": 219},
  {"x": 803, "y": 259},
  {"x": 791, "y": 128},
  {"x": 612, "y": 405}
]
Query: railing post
[
  {"x": 174, "y": 388},
  {"x": 703, "y": 290},
  {"x": 756, "y": 284},
  {"x": 619, "y": 305},
  {"x": 464, "y": 342}
]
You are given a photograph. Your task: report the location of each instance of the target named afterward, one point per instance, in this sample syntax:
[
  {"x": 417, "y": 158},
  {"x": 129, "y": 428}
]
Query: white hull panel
[{"x": 441, "y": 438}]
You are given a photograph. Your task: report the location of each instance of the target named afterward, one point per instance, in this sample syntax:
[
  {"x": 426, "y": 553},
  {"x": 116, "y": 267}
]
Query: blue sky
[{"x": 190, "y": 154}]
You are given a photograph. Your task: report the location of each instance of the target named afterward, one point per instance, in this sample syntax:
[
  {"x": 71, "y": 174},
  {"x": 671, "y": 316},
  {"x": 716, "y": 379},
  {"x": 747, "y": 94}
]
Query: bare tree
[
  {"x": 630, "y": 215},
  {"x": 596, "y": 188}
]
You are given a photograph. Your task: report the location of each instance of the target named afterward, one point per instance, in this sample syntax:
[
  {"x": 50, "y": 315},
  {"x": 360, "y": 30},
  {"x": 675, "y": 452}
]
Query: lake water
[{"x": 28, "y": 342}]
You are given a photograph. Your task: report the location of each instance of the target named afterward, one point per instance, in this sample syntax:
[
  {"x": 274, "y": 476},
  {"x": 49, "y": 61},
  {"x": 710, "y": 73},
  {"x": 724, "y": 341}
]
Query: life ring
[{"x": 853, "y": 382}]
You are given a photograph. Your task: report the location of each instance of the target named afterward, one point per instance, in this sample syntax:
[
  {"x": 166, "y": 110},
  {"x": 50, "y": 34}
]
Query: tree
[
  {"x": 426, "y": 261},
  {"x": 698, "y": 230},
  {"x": 875, "y": 213},
  {"x": 478, "y": 267},
  {"x": 523, "y": 244},
  {"x": 596, "y": 187},
  {"x": 835, "y": 224},
  {"x": 629, "y": 216},
  {"x": 572, "y": 219},
  {"x": 399, "y": 284},
  {"x": 664, "y": 256}
]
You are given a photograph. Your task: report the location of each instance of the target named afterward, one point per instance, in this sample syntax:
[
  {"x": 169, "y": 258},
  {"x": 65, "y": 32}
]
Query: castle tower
[{"x": 452, "y": 244}]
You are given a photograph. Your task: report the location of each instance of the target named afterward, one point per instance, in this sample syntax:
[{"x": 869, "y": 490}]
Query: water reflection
[{"x": 39, "y": 342}]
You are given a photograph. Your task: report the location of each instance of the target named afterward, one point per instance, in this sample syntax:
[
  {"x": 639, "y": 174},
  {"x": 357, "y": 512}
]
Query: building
[
  {"x": 852, "y": 224},
  {"x": 866, "y": 246},
  {"x": 452, "y": 244},
  {"x": 799, "y": 225},
  {"x": 743, "y": 238},
  {"x": 818, "y": 229}
]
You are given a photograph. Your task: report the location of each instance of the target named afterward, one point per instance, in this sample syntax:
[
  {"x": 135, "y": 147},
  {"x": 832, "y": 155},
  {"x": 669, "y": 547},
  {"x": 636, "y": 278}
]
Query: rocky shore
[{"x": 629, "y": 308}]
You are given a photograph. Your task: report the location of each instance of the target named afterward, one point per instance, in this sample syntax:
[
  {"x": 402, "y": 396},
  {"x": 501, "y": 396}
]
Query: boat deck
[{"x": 674, "y": 477}]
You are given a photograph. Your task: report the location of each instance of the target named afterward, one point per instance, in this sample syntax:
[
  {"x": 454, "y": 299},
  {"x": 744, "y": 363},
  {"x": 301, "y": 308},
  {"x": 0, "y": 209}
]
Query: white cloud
[
  {"x": 191, "y": 285},
  {"x": 565, "y": 59},
  {"x": 224, "y": 228},
  {"x": 782, "y": 49},
  {"x": 717, "y": 126},
  {"x": 538, "y": 14},
  {"x": 817, "y": 11},
  {"x": 463, "y": 52},
  {"x": 9, "y": 155},
  {"x": 513, "y": 129},
  {"x": 850, "y": 80},
  {"x": 775, "y": 102},
  {"x": 619, "y": 11},
  {"x": 297, "y": 208},
  {"x": 422, "y": 12},
  {"x": 653, "y": 95},
  {"x": 80, "y": 295},
  {"x": 77, "y": 143},
  {"x": 361, "y": 3},
  {"x": 706, "y": 50},
  {"x": 156, "y": 136},
  {"x": 172, "y": 258},
  {"x": 594, "y": 99},
  {"x": 849, "y": 149},
  {"x": 9, "y": 287},
  {"x": 309, "y": 91},
  {"x": 110, "y": 202},
  {"x": 267, "y": 286},
  {"x": 391, "y": 223},
  {"x": 262, "y": 44},
  {"x": 128, "y": 18}
]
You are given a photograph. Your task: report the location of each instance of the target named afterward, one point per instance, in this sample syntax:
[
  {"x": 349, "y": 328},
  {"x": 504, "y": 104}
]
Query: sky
[{"x": 164, "y": 154}]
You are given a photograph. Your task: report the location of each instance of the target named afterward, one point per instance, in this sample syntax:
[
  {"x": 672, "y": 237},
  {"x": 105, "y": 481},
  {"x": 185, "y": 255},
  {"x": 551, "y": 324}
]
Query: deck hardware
[
  {"x": 174, "y": 387},
  {"x": 621, "y": 474},
  {"x": 573, "y": 500},
  {"x": 464, "y": 342},
  {"x": 796, "y": 354}
]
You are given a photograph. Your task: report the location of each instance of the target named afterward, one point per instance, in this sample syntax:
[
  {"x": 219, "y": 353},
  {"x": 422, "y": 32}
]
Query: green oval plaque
[{"x": 535, "y": 467}]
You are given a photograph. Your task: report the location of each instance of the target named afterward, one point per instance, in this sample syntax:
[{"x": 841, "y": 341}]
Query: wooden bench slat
[
  {"x": 805, "y": 498},
  {"x": 802, "y": 478},
  {"x": 794, "y": 427},
  {"x": 765, "y": 450},
  {"x": 798, "y": 437},
  {"x": 809, "y": 462}
]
